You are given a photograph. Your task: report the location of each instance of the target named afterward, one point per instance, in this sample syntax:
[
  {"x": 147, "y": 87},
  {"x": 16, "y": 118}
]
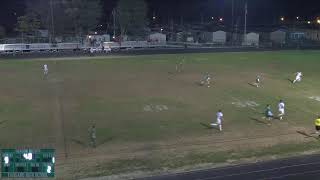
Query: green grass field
[{"x": 148, "y": 117}]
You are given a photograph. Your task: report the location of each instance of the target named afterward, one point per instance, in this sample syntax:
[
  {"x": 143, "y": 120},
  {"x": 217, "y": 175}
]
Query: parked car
[{"x": 99, "y": 50}]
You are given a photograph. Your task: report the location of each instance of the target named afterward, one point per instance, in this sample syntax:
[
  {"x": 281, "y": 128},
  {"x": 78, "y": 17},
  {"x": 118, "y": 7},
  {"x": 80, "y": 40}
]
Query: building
[
  {"x": 313, "y": 35},
  {"x": 157, "y": 38},
  {"x": 278, "y": 37},
  {"x": 218, "y": 37},
  {"x": 252, "y": 39},
  {"x": 297, "y": 36},
  {"x": 97, "y": 40}
]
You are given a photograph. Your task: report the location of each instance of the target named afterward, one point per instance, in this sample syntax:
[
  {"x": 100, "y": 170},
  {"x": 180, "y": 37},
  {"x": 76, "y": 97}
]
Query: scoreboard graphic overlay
[{"x": 27, "y": 163}]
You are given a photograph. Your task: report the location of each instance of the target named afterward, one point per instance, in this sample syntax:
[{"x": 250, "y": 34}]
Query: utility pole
[
  {"x": 171, "y": 29},
  {"x": 232, "y": 22},
  {"x": 114, "y": 23},
  {"x": 201, "y": 16},
  {"x": 245, "y": 22},
  {"x": 52, "y": 21}
]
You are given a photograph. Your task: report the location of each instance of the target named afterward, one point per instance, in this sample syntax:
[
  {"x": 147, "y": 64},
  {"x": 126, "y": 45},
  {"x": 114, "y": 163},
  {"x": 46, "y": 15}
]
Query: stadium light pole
[
  {"x": 232, "y": 20},
  {"x": 245, "y": 22},
  {"x": 114, "y": 23},
  {"x": 154, "y": 16},
  {"x": 52, "y": 21}
]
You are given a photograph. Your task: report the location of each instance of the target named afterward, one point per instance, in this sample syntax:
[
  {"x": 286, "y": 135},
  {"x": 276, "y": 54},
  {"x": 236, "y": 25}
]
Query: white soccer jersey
[
  {"x": 281, "y": 106},
  {"x": 299, "y": 74},
  {"x": 45, "y": 67},
  {"x": 219, "y": 117},
  {"x": 207, "y": 77},
  {"x": 258, "y": 80}
]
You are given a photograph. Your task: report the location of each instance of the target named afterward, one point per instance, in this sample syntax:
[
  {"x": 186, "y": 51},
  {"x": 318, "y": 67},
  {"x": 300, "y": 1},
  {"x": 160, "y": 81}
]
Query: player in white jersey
[
  {"x": 219, "y": 120},
  {"x": 298, "y": 77},
  {"x": 281, "y": 107},
  {"x": 45, "y": 69},
  {"x": 258, "y": 81},
  {"x": 206, "y": 80},
  {"x": 179, "y": 66}
]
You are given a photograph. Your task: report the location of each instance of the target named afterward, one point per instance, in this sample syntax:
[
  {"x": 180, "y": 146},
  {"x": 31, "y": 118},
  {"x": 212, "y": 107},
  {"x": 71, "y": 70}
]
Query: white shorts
[
  {"x": 298, "y": 78},
  {"x": 281, "y": 111}
]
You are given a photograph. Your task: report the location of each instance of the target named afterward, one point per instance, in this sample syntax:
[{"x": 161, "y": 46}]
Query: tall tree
[
  {"x": 132, "y": 17},
  {"x": 2, "y": 32},
  {"x": 28, "y": 23},
  {"x": 52, "y": 15},
  {"x": 85, "y": 14}
]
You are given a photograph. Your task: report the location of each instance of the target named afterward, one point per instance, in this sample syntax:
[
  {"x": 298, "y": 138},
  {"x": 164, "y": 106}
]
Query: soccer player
[
  {"x": 268, "y": 112},
  {"x": 258, "y": 81},
  {"x": 45, "y": 70},
  {"x": 206, "y": 80},
  {"x": 317, "y": 124},
  {"x": 92, "y": 136},
  {"x": 179, "y": 66},
  {"x": 298, "y": 77},
  {"x": 281, "y": 109},
  {"x": 91, "y": 50},
  {"x": 219, "y": 120}
]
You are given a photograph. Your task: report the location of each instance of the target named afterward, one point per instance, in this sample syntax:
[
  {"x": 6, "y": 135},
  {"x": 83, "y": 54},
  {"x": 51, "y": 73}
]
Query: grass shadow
[
  {"x": 80, "y": 143},
  {"x": 172, "y": 75},
  {"x": 260, "y": 121},
  {"x": 307, "y": 135},
  {"x": 198, "y": 83},
  {"x": 276, "y": 117},
  {"x": 83, "y": 144},
  {"x": 258, "y": 112},
  {"x": 105, "y": 141},
  {"x": 207, "y": 126},
  {"x": 2, "y": 122},
  {"x": 290, "y": 80},
  {"x": 251, "y": 84}
]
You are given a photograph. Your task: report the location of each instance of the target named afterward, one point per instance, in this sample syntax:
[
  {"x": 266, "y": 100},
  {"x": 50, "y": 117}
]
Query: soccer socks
[{"x": 219, "y": 125}]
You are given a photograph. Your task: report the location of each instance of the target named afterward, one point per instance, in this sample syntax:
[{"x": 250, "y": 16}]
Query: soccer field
[{"x": 149, "y": 117}]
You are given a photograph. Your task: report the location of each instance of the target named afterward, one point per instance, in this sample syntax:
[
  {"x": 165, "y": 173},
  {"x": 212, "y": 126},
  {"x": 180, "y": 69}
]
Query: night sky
[{"x": 260, "y": 12}]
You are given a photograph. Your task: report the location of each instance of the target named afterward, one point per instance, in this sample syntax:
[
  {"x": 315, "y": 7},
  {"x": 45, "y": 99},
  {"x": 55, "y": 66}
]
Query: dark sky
[{"x": 260, "y": 11}]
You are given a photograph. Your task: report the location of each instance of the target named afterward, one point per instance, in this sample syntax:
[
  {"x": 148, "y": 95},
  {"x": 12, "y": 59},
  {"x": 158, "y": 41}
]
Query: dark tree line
[{"x": 78, "y": 17}]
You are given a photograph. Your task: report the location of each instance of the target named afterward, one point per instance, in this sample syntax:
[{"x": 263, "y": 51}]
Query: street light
[
  {"x": 282, "y": 18},
  {"x": 221, "y": 19},
  {"x": 297, "y": 17},
  {"x": 318, "y": 21},
  {"x": 309, "y": 22}
]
